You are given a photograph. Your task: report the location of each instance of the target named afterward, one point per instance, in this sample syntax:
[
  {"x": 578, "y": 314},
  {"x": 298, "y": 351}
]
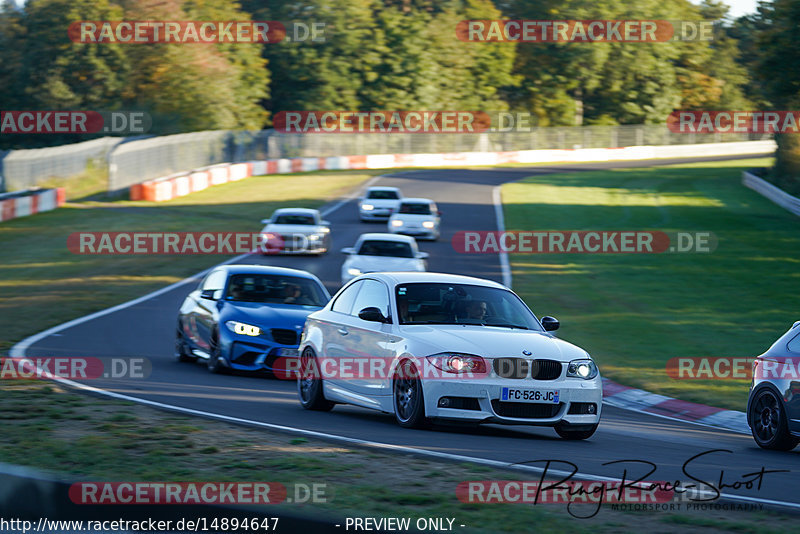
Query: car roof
[
  {"x": 394, "y": 278},
  {"x": 243, "y": 268},
  {"x": 408, "y": 200},
  {"x": 387, "y": 237},
  {"x": 298, "y": 211},
  {"x": 383, "y": 188}
]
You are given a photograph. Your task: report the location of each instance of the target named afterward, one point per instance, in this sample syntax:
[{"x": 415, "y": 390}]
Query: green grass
[
  {"x": 633, "y": 312},
  {"x": 58, "y": 430},
  {"x": 44, "y": 284}
]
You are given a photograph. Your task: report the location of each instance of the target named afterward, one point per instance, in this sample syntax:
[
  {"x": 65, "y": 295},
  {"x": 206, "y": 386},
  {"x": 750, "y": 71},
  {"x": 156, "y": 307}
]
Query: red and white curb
[{"x": 638, "y": 400}]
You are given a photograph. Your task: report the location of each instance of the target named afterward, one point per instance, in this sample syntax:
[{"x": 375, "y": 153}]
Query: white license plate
[
  {"x": 547, "y": 396},
  {"x": 287, "y": 353}
]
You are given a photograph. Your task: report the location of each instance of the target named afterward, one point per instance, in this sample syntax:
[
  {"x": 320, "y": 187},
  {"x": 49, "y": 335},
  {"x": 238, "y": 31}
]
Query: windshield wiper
[{"x": 507, "y": 325}]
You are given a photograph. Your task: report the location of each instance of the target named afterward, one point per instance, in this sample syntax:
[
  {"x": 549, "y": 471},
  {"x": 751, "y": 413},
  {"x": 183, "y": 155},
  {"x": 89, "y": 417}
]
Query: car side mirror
[
  {"x": 208, "y": 294},
  {"x": 372, "y": 314},
  {"x": 422, "y": 255},
  {"x": 266, "y": 221},
  {"x": 550, "y": 323},
  {"x": 348, "y": 250}
]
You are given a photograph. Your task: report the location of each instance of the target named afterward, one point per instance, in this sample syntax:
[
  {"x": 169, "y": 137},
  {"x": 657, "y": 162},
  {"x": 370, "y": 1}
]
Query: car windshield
[
  {"x": 397, "y": 249},
  {"x": 440, "y": 303},
  {"x": 295, "y": 219},
  {"x": 275, "y": 289},
  {"x": 383, "y": 195},
  {"x": 415, "y": 208}
]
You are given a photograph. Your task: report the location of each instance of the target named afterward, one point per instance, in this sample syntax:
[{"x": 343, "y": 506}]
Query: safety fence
[{"x": 129, "y": 161}]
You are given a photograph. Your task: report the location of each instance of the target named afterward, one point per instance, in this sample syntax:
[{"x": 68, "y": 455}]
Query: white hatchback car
[
  {"x": 428, "y": 346},
  {"x": 378, "y": 203},
  {"x": 296, "y": 231},
  {"x": 418, "y": 217},
  {"x": 377, "y": 252}
]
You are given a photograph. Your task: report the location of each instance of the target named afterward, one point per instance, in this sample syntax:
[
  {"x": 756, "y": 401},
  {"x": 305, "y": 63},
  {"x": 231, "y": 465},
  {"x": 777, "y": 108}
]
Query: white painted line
[
  {"x": 505, "y": 268},
  {"x": 400, "y": 448}
]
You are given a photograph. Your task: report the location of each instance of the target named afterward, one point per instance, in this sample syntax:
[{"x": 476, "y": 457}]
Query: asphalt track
[{"x": 146, "y": 329}]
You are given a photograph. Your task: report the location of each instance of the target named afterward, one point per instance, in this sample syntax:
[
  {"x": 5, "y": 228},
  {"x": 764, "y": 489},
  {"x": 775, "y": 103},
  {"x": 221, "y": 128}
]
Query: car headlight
[
  {"x": 314, "y": 237},
  {"x": 354, "y": 271},
  {"x": 367, "y": 207},
  {"x": 585, "y": 369},
  {"x": 397, "y": 222},
  {"x": 428, "y": 224},
  {"x": 243, "y": 328},
  {"x": 455, "y": 362}
]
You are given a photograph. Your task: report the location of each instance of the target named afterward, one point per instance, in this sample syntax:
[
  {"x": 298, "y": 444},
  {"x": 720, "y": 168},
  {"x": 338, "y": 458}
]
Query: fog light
[
  {"x": 444, "y": 402},
  {"x": 591, "y": 408}
]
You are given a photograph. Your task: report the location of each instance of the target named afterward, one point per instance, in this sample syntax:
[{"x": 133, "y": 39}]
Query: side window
[
  {"x": 374, "y": 294},
  {"x": 344, "y": 302},
  {"x": 794, "y": 344},
  {"x": 215, "y": 280}
]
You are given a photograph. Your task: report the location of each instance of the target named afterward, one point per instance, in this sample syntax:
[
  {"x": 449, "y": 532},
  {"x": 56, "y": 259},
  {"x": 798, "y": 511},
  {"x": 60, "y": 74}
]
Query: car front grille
[
  {"x": 525, "y": 410},
  {"x": 515, "y": 368},
  {"x": 284, "y": 336},
  {"x": 545, "y": 369}
]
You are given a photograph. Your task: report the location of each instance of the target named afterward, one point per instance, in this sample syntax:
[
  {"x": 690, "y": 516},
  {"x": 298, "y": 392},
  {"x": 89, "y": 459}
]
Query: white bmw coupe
[{"x": 426, "y": 346}]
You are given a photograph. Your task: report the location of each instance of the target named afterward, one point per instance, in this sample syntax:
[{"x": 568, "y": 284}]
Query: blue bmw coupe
[{"x": 247, "y": 317}]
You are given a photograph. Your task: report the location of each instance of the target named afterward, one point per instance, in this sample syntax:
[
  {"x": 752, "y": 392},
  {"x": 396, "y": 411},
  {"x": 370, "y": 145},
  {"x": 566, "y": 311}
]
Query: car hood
[
  {"x": 381, "y": 263},
  {"x": 266, "y": 315},
  {"x": 490, "y": 342},
  {"x": 293, "y": 229}
]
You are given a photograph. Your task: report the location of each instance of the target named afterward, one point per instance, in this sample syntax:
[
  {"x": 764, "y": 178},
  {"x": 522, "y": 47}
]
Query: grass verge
[
  {"x": 633, "y": 312},
  {"x": 55, "y": 429}
]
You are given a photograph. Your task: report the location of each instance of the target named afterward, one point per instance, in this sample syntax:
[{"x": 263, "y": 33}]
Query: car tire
[
  {"x": 309, "y": 384},
  {"x": 181, "y": 350},
  {"x": 768, "y": 422},
  {"x": 214, "y": 365},
  {"x": 566, "y": 432},
  {"x": 407, "y": 397}
]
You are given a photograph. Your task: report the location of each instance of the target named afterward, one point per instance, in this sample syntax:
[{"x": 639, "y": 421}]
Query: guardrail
[
  {"x": 181, "y": 184},
  {"x": 773, "y": 193},
  {"x": 134, "y": 160}
]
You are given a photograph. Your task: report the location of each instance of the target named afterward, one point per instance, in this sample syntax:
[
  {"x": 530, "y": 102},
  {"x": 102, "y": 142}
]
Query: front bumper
[
  {"x": 488, "y": 391},
  {"x": 377, "y": 214},
  {"x": 248, "y": 356},
  {"x": 429, "y": 233}
]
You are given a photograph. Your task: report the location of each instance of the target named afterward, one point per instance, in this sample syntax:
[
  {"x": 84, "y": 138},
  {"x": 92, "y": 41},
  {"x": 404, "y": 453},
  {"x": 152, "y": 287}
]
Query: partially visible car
[
  {"x": 295, "y": 231},
  {"x": 773, "y": 407},
  {"x": 376, "y": 252},
  {"x": 247, "y": 317},
  {"x": 378, "y": 203},
  {"x": 418, "y": 217},
  {"x": 427, "y": 346}
]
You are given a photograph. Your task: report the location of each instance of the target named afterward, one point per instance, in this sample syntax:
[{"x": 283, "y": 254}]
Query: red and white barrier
[
  {"x": 179, "y": 185},
  {"x": 29, "y": 203}
]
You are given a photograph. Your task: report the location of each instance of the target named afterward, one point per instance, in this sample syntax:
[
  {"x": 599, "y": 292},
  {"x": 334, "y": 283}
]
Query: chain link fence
[
  {"x": 134, "y": 161},
  {"x": 23, "y": 169}
]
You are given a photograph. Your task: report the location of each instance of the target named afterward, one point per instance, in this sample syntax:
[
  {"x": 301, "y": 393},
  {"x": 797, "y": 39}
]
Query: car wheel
[
  {"x": 181, "y": 350},
  {"x": 214, "y": 366},
  {"x": 768, "y": 422},
  {"x": 309, "y": 384},
  {"x": 566, "y": 432},
  {"x": 409, "y": 402}
]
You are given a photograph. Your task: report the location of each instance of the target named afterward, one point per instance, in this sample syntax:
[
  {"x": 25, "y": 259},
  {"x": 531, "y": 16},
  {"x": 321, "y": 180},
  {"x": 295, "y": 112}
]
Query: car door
[
  {"x": 206, "y": 311},
  {"x": 367, "y": 343},
  {"x": 334, "y": 330}
]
